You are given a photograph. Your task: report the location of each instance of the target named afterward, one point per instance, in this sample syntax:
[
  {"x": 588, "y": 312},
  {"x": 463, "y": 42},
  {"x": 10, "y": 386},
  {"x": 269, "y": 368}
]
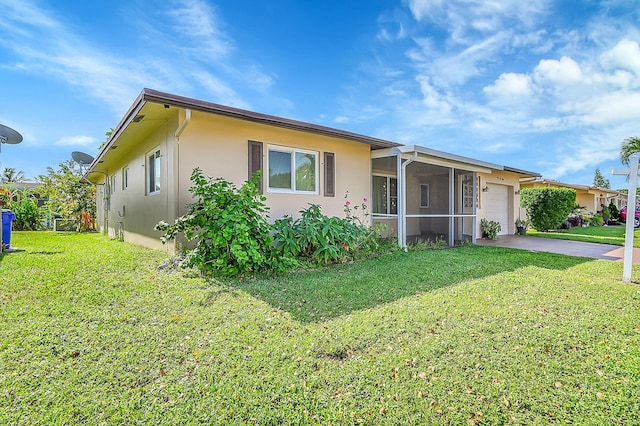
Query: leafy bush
[
  {"x": 323, "y": 239},
  {"x": 230, "y": 228},
  {"x": 490, "y": 228},
  {"x": 547, "y": 208},
  {"x": 596, "y": 220},
  {"x": 29, "y": 216},
  {"x": 70, "y": 196},
  {"x": 613, "y": 210}
]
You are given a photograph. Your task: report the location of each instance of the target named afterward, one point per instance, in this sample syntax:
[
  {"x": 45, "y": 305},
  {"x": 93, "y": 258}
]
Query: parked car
[{"x": 636, "y": 220}]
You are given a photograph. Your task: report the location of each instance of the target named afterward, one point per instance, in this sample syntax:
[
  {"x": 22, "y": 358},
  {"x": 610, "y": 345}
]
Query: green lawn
[
  {"x": 92, "y": 332},
  {"x": 594, "y": 234}
]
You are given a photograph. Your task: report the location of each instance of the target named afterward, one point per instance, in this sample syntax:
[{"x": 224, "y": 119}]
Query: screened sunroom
[{"x": 426, "y": 195}]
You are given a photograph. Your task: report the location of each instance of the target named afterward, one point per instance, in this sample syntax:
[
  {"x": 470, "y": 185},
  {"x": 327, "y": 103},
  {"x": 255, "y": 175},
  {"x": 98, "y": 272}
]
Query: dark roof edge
[
  {"x": 521, "y": 172},
  {"x": 155, "y": 96},
  {"x": 130, "y": 114}
]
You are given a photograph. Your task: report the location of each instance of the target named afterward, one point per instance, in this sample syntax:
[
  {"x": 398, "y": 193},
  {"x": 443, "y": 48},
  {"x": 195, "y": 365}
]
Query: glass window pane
[
  {"x": 305, "y": 171},
  {"x": 379, "y": 201},
  {"x": 156, "y": 166},
  {"x": 424, "y": 195},
  {"x": 279, "y": 169},
  {"x": 393, "y": 196}
]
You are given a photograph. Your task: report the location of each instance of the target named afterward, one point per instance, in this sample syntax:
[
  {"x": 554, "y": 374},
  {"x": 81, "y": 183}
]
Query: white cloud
[
  {"x": 455, "y": 68},
  {"x": 192, "y": 36},
  {"x": 437, "y": 104},
  {"x": 197, "y": 21},
  {"x": 625, "y": 55},
  {"x": 75, "y": 140},
  {"x": 607, "y": 108},
  {"x": 510, "y": 84},
  {"x": 463, "y": 17},
  {"x": 566, "y": 71}
]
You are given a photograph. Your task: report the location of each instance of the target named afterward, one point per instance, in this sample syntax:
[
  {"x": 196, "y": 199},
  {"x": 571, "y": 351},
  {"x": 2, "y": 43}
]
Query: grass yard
[
  {"x": 593, "y": 234},
  {"x": 92, "y": 332}
]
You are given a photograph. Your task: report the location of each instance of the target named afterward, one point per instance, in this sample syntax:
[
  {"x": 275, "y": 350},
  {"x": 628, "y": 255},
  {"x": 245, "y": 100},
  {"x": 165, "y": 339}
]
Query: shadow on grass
[{"x": 334, "y": 291}]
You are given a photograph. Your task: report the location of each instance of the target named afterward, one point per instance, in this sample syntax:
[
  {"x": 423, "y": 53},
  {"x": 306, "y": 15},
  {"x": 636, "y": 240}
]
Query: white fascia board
[{"x": 432, "y": 156}]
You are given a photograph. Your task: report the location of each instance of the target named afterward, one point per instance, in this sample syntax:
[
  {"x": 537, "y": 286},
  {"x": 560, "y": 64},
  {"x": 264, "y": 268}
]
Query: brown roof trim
[
  {"x": 117, "y": 131},
  {"x": 521, "y": 172},
  {"x": 155, "y": 96}
]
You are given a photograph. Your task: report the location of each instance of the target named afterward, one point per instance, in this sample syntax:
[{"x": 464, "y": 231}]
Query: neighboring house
[
  {"x": 27, "y": 185},
  {"x": 143, "y": 171},
  {"x": 590, "y": 197}
]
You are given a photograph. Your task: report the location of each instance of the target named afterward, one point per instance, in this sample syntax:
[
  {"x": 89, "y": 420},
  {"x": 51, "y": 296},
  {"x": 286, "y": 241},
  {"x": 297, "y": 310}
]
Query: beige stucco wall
[
  {"x": 512, "y": 181},
  {"x": 219, "y": 146},
  {"x": 132, "y": 208}
]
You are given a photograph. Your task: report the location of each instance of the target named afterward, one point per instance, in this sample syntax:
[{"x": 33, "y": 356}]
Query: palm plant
[
  {"x": 11, "y": 175},
  {"x": 629, "y": 147}
]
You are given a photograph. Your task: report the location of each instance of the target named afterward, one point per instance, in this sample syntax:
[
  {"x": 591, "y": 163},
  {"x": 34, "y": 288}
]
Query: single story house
[
  {"x": 143, "y": 172},
  {"x": 590, "y": 197}
]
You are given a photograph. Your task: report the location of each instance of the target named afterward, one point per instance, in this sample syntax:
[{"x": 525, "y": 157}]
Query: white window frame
[
  {"x": 156, "y": 166},
  {"x": 293, "y": 152},
  {"x": 389, "y": 196},
  {"x": 125, "y": 177},
  {"x": 424, "y": 204},
  {"x": 112, "y": 184}
]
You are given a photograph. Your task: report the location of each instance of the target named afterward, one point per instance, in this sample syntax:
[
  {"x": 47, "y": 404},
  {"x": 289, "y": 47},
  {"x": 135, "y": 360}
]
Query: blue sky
[{"x": 547, "y": 86}]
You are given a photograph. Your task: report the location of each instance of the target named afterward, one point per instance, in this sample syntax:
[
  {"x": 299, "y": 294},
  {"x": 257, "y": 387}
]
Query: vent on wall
[{"x": 138, "y": 118}]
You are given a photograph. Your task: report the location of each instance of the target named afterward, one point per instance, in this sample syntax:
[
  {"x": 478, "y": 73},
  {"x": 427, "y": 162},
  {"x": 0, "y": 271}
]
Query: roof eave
[
  {"x": 117, "y": 131},
  {"x": 155, "y": 96}
]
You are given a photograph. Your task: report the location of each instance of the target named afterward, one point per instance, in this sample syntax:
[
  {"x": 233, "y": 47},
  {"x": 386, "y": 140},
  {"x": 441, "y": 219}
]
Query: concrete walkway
[{"x": 570, "y": 248}]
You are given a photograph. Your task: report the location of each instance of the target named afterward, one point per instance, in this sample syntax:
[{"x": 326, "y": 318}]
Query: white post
[{"x": 631, "y": 216}]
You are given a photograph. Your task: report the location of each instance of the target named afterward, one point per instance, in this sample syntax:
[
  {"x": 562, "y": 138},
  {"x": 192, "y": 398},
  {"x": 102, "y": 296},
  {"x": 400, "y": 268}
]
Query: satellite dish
[
  {"x": 81, "y": 158},
  {"x": 8, "y": 135}
]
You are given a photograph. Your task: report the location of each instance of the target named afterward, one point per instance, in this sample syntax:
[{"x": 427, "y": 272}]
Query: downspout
[
  {"x": 181, "y": 127},
  {"x": 402, "y": 191},
  {"x": 178, "y": 132}
]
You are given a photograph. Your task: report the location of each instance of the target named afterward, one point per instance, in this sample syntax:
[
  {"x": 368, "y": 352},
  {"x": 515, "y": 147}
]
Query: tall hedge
[{"x": 547, "y": 208}]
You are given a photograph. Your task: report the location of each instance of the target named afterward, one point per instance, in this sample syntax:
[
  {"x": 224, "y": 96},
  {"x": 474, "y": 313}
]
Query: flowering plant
[
  {"x": 349, "y": 215},
  {"x": 5, "y": 196}
]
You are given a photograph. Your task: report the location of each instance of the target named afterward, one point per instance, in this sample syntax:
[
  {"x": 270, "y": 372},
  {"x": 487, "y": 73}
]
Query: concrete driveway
[{"x": 570, "y": 248}]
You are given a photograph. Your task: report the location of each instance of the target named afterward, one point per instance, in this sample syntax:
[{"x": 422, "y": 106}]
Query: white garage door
[{"x": 497, "y": 206}]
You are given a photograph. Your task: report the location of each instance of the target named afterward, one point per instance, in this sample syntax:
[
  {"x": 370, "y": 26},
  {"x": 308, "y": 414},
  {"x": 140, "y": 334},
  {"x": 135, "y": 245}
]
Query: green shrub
[
  {"x": 324, "y": 240},
  {"x": 596, "y": 220},
  {"x": 547, "y": 208},
  {"x": 613, "y": 210},
  {"x": 230, "y": 228},
  {"x": 29, "y": 216},
  {"x": 490, "y": 228}
]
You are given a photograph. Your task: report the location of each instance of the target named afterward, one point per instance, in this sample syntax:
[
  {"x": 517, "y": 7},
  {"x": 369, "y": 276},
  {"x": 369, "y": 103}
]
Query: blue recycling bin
[{"x": 7, "y": 219}]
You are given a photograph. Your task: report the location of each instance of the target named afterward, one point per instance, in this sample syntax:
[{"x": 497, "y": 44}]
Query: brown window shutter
[
  {"x": 329, "y": 174},
  {"x": 255, "y": 160}
]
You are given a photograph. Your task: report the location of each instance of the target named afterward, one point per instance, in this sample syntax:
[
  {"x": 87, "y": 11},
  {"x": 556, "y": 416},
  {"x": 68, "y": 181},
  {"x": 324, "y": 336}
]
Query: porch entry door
[
  {"x": 465, "y": 201},
  {"x": 497, "y": 206}
]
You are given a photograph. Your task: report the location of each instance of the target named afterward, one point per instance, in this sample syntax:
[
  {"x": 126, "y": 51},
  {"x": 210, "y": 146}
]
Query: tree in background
[
  {"x": 11, "y": 175},
  {"x": 599, "y": 180},
  {"x": 547, "y": 208},
  {"x": 69, "y": 196},
  {"x": 629, "y": 147},
  {"x": 24, "y": 203}
]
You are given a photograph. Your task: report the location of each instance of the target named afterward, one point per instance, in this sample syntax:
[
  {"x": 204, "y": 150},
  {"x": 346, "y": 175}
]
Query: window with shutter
[
  {"x": 255, "y": 160},
  {"x": 329, "y": 174}
]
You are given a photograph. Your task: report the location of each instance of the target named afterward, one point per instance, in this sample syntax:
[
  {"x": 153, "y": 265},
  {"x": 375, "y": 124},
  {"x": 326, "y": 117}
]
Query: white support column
[
  {"x": 452, "y": 192},
  {"x": 632, "y": 173},
  {"x": 402, "y": 183}
]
